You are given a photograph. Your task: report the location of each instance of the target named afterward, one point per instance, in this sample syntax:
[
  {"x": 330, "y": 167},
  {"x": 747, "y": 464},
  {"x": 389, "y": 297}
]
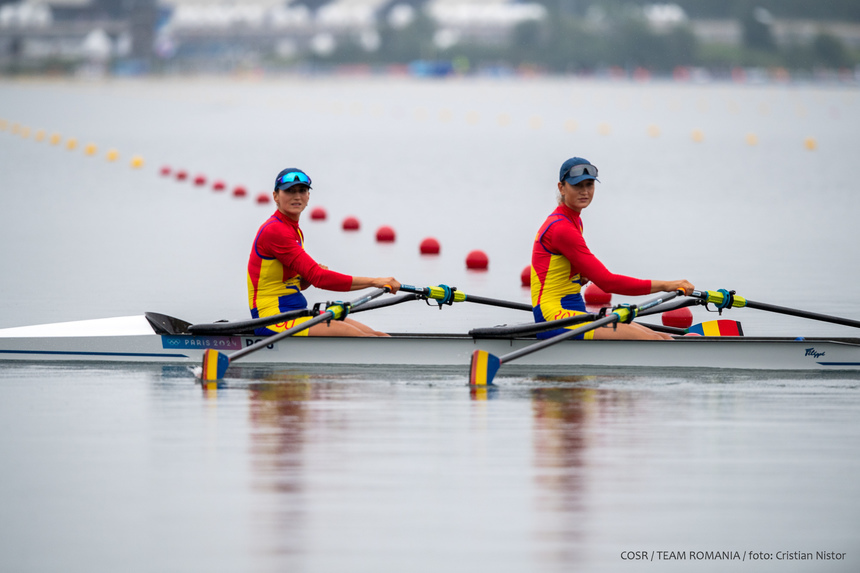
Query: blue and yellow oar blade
[
  {"x": 717, "y": 328},
  {"x": 483, "y": 369},
  {"x": 214, "y": 364}
]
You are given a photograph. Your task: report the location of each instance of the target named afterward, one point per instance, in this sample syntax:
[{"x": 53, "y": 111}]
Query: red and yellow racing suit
[
  {"x": 560, "y": 260},
  {"x": 279, "y": 269}
]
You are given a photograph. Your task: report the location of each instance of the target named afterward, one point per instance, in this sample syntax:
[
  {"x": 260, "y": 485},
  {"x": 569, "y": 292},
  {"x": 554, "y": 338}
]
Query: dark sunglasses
[
  {"x": 581, "y": 169},
  {"x": 294, "y": 176}
]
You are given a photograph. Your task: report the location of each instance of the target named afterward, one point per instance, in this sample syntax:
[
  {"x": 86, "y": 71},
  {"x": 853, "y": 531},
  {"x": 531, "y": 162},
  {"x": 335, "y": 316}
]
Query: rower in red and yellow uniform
[
  {"x": 279, "y": 269},
  {"x": 562, "y": 263}
]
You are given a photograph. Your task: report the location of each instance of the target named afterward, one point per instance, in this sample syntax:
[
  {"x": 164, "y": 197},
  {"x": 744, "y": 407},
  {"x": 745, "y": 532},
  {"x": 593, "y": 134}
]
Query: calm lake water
[{"x": 137, "y": 468}]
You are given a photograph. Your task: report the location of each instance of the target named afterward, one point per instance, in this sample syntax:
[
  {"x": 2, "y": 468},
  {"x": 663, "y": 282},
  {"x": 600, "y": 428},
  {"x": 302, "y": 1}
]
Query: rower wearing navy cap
[
  {"x": 562, "y": 263},
  {"x": 279, "y": 269}
]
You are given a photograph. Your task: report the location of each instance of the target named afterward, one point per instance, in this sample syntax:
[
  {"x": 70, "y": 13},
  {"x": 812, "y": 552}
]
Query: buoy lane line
[{"x": 475, "y": 260}]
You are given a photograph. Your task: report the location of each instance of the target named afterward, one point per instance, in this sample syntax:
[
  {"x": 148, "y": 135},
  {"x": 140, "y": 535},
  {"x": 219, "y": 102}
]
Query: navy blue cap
[
  {"x": 589, "y": 172},
  {"x": 291, "y": 176}
]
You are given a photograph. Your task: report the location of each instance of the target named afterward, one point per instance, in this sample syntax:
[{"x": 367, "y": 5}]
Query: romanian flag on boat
[{"x": 717, "y": 328}]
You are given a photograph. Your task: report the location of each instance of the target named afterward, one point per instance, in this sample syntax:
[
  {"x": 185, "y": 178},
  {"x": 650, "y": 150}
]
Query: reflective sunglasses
[
  {"x": 294, "y": 176},
  {"x": 582, "y": 169}
]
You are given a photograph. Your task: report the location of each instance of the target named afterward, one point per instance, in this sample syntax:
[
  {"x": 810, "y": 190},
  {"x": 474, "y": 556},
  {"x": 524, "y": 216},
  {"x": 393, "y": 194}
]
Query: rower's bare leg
[
  {"x": 630, "y": 331},
  {"x": 364, "y": 328},
  {"x": 347, "y": 327}
]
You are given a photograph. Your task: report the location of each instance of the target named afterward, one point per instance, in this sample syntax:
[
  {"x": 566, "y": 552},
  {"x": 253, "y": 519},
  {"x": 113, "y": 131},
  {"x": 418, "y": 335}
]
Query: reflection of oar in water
[
  {"x": 728, "y": 299},
  {"x": 215, "y": 363},
  {"x": 485, "y": 365}
]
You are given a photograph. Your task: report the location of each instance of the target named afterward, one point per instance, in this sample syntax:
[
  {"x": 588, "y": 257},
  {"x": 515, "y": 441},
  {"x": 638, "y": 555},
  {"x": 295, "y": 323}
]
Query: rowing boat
[{"x": 142, "y": 339}]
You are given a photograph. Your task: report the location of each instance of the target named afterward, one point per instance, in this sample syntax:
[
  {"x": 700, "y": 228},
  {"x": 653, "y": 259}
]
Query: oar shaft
[
  {"x": 246, "y": 325},
  {"x": 447, "y": 295},
  {"x": 802, "y": 313},
  {"x": 609, "y": 319},
  {"x": 557, "y": 338},
  {"x": 323, "y": 317},
  {"x": 497, "y": 302},
  {"x": 387, "y": 302},
  {"x": 723, "y": 299}
]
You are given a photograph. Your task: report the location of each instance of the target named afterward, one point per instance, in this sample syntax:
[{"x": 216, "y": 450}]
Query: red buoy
[
  {"x": 165, "y": 171},
  {"x": 679, "y": 318},
  {"x": 181, "y": 175},
  {"x": 263, "y": 198},
  {"x": 200, "y": 180},
  {"x": 430, "y": 246},
  {"x": 318, "y": 214},
  {"x": 477, "y": 260},
  {"x": 239, "y": 191},
  {"x": 526, "y": 276},
  {"x": 385, "y": 234},
  {"x": 596, "y": 295},
  {"x": 218, "y": 186},
  {"x": 351, "y": 224}
]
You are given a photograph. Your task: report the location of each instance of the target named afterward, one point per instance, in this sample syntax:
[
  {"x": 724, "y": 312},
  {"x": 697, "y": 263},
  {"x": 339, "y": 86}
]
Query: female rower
[
  {"x": 561, "y": 261},
  {"x": 279, "y": 268}
]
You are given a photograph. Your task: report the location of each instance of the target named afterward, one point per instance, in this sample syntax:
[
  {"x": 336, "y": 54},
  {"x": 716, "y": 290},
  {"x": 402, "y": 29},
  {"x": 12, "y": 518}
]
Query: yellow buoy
[
  {"x": 71, "y": 143},
  {"x": 445, "y": 115},
  {"x": 752, "y": 139},
  {"x": 698, "y": 136},
  {"x": 810, "y": 144},
  {"x": 39, "y": 135},
  {"x": 3, "y": 124},
  {"x": 25, "y": 132},
  {"x": 604, "y": 129},
  {"x": 653, "y": 131},
  {"x": 112, "y": 155},
  {"x": 472, "y": 118},
  {"x": 535, "y": 122},
  {"x": 571, "y": 125},
  {"x": 15, "y": 129},
  {"x": 137, "y": 162},
  {"x": 55, "y": 138},
  {"x": 90, "y": 149},
  {"x": 503, "y": 120}
]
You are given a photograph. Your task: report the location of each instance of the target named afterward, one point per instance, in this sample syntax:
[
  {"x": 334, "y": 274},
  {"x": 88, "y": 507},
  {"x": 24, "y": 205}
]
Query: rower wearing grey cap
[{"x": 562, "y": 264}]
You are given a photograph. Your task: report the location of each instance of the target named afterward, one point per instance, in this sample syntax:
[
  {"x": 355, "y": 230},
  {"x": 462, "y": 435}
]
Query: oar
[
  {"x": 387, "y": 302},
  {"x": 247, "y": 325},
  {"x": 534, "y": 328},
  {"x": 725, "y": 299},
  {"x": 215, "y": 363},
  {"x": 449, "y": 295},
  {"x": 485, "y": 365}
]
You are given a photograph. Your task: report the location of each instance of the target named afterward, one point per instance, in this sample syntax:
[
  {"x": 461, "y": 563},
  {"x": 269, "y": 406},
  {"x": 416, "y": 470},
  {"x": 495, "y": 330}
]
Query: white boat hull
[{"x": 126, "y": 340}]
